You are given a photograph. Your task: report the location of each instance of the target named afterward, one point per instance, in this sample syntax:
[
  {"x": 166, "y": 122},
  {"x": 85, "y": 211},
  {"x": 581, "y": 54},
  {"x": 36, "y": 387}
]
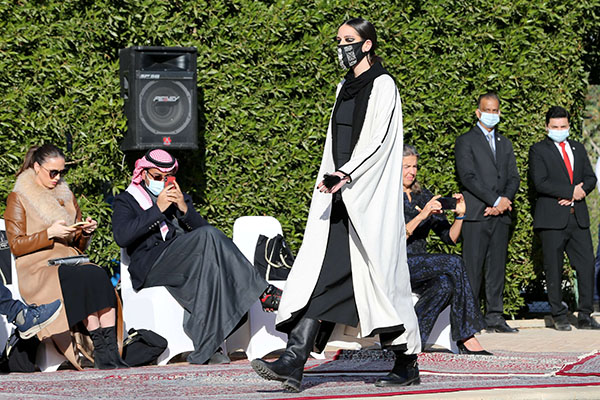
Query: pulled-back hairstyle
[
  {"x": 366, "y": 31},
  {"x": 408, "y": 151},
  {"x": 39, "y": 154}
]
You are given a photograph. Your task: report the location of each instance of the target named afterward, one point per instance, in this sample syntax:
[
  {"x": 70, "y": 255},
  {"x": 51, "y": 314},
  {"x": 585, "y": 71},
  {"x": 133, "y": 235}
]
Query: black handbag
[
  {"x": 142, "y": 347},
  {"x": 19, "y": 354},
  {"x": 273, "y": 257}
]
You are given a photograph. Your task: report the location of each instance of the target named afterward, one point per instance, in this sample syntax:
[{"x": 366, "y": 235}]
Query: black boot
[
  {"x": 404, "y": 373},
  {"x": 290, "y": 366},
  {"x": 110, "y": 340},
  {"x": 102, "y": 358}
]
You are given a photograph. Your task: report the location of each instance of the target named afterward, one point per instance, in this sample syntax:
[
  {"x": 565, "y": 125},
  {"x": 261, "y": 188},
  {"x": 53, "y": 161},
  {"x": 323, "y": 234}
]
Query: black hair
[
  {"x": 557, "y": 112},
  {"x": 366, "y": 31},
  {"x": 40, "y": 154},
  {"x": 488, "y": 95}
]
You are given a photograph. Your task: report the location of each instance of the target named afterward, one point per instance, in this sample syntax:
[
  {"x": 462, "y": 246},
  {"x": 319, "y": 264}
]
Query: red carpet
[{"x": 238, "y": 381}]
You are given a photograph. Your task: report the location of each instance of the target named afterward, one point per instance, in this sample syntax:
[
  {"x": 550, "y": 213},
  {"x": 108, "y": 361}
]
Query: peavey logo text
[
  {"x": 149, "y": 76},
  {"x": 165, "y": 99}
]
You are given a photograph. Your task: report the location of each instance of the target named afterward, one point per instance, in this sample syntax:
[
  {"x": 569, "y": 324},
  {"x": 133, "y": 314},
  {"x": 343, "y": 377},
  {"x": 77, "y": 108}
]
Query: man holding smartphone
[
  {"x": 487, "y": 170},
  {"x": 171, "y": 245}
]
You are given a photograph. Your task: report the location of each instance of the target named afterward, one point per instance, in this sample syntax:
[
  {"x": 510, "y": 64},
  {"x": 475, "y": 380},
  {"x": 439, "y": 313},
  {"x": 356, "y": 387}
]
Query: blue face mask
[
  {"x": 490, "y": 120},
  {"x": 155, "y": 187},
  {"x": 558, "y": 136}
]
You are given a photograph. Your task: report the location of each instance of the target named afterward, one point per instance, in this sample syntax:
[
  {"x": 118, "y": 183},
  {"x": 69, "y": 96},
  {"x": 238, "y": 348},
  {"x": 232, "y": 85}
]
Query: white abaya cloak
[{"x": 374, "y": 202}]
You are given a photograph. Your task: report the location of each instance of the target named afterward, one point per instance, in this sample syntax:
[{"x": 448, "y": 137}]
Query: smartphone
[
  {"x": 170, "y": 180},
  {"x": 78, "y": 224},
  {"x": 448, "y": 203}
]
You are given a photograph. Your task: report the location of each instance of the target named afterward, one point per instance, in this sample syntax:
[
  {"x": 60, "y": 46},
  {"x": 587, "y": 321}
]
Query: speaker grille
[{"x": 165, "y": 107}]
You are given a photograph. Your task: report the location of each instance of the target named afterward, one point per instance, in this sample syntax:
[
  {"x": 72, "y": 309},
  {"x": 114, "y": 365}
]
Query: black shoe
[
  {"x": 585, "y": 321},
  {"x": 110, "y": 340},
  {"x": 562, "y": 324},
  {"x": 462, "y": 349},
  {"x": 404, "y": 373},
  {"x": 270, "y": 298},
  {"x": 501, "y": 326},
  {"x": 289, "y": 368}
]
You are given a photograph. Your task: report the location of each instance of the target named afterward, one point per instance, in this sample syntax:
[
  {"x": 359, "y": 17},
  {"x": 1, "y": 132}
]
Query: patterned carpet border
[
  {"x": 354, "y": 362},
  {"x": 588, "y": 365}
]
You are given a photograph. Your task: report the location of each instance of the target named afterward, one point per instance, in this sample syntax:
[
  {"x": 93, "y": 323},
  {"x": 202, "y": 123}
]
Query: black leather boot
[
  {"x": 102, "y": 358},
  {"x": 404, "y": 373},
  {"x": 110, "y": 340},
  {"x": 290, "y": 366}
]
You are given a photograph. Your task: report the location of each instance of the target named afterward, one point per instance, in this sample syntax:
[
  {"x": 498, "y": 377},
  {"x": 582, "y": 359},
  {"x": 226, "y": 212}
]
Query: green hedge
[{"x": 266, "y": 76}]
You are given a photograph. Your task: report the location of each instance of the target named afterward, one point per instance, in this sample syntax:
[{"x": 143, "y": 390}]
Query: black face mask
[{"x": 350, "y": 54}]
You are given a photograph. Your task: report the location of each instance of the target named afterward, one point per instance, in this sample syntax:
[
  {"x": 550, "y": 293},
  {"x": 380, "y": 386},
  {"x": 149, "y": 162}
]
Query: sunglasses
[
  {"x": 158, "y": 177},
  {"x": 54, "y": 172}
]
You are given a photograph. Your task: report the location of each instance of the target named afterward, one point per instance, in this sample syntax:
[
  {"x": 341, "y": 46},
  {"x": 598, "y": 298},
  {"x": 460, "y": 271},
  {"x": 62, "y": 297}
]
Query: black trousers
[
  {"x": 484, "y": 253},
  {"x": 577, "y": 242}
]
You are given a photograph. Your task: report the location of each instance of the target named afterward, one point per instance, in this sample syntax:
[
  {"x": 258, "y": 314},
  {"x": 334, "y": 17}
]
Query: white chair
[
  {"x": 258, "y": 336},
  {"x": 155, "y": 309},
  {"x": 441, "y": 334}
]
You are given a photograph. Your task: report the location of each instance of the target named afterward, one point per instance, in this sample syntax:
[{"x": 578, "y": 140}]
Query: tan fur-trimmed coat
[{"x": 30, "y": 210}]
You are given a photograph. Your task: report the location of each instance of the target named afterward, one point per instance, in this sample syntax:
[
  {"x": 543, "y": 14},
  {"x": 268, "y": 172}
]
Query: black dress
[
  {"x": 86, "y": 289},
  {"x": 333, "y": 297},
  {"x": 438, "y": 279}
]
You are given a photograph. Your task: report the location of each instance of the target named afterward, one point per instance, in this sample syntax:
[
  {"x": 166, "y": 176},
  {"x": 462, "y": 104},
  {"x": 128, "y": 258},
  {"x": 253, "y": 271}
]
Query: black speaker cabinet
[{"x": 158, "y": 85}]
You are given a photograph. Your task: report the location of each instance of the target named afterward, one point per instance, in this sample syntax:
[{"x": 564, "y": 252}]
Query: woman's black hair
[
  {"x": 39, "y": 154},
  {"x": 366, "y": 31}
]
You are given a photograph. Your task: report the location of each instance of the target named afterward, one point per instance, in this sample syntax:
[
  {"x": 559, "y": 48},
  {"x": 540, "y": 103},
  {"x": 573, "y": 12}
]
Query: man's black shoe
[
  {"x": 562, "y": 324},
  {"x": 501, "y": 326},
  {"x": 587, "y": 322}
]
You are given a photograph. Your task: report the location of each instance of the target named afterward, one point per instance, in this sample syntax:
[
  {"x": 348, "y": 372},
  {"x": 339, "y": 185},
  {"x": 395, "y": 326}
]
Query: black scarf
[{"x": 360, "y": 88}]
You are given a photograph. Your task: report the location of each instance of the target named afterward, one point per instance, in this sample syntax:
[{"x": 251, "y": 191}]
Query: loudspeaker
[{"x": 158, "y": 85}]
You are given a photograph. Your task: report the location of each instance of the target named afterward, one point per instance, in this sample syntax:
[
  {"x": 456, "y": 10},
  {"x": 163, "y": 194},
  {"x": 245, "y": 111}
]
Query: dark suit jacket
[
  {"x": 551, "y": 181},
  {"x": 138, "y": 231},
  {"x": 483, "y": 178}
]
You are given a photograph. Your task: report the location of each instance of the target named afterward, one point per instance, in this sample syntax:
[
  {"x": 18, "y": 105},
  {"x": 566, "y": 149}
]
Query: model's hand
[
  {"x": 578, "y": 192},
  {"x": 565, "y": 202},
  {"x": 175, "y": 196},
  {"x": 59, "y": 230},
  {"x": 90, "y": 226},
  {"x": 493, "y": 211},
  {"x": 503, "y": 205},
  {"x": 344, "y": 179},
  {"x": 461, "y": 206}
]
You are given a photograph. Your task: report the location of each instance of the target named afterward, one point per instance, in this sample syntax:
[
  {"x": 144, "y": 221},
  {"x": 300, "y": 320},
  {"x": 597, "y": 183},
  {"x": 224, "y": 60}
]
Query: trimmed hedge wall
[{"x": 267, "y": 72}]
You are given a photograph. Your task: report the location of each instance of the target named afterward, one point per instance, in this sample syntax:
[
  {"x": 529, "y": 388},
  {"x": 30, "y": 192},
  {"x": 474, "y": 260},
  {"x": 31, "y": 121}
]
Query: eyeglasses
[
  {"x": 158, "y": 177},
  {"x": 54, "y": 172}
]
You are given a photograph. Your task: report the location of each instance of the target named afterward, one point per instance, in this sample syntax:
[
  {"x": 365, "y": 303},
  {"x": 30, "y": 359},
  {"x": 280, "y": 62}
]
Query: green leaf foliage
[{"x": 267, "y": 73}]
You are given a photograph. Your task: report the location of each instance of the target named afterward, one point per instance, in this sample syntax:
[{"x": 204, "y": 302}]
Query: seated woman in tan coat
[{"x": 40, "y": 214}]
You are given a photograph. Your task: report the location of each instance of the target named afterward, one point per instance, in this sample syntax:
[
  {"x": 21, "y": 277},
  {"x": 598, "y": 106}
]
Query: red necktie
[{"x": 566, "y": 160}]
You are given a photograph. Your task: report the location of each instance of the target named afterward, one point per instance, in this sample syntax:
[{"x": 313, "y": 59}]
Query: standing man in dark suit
[
  {"x": 563, "y": 176},
  {"x": 487, "y": 169}
]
